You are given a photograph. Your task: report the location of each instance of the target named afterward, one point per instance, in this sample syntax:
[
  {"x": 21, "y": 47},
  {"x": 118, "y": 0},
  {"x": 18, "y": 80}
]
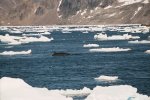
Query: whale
[{"x": 61, "y": 54}]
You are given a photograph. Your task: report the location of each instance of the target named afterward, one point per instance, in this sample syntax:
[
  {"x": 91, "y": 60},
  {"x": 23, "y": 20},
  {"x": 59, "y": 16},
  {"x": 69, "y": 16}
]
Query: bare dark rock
[{"x": 40, "y": 11}]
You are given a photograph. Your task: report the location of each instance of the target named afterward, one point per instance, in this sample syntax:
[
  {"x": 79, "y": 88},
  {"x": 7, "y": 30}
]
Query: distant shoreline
[{"x": 74, "y": 25}]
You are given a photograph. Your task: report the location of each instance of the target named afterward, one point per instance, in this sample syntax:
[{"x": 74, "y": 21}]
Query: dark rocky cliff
[
  {"x": 70, "y": 7},
  {"x": 50, "y": 12}
]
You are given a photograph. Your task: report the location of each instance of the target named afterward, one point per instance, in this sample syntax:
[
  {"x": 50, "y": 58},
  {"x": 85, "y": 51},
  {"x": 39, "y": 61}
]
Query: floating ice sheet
[
  {"x": 69, "y": 92},
  {"x": 106, "y": 78},
  {"x": 35, "y": 39},
  {"x": 102, "y": 36},
  {"x": 16, "y": 52},
  {"x": 139, "y": 42},
  {"x": 114, "y": 49},
  {"x": 12, "y": 40},
  {"x": 16, "y": 40},
  {"x": 147, "y": 51},
  {"x": 17, "y": 89},
  {"x": 90, "y": 45},
  {"x": 122, "y": 92}
]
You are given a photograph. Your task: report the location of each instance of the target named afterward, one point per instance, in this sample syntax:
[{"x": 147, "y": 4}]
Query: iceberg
[
  {"x": 107, "y": 78},
  {"x": 120, "y": 92},
  {"x": 114, "y": 49},
  {"x": 90, "y": 45},
  {"x": 147, "y": 51},
  {"x": 16, "y": 52},
  {"x": 17, "y": 89},
  {"x": 103, "y": 36}
]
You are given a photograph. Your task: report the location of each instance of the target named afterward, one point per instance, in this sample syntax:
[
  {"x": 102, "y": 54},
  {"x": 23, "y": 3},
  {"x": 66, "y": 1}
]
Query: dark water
[{"x": 40, "y": 69}]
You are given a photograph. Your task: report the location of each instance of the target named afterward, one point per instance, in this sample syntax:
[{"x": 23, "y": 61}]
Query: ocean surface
[{"x": 78, "y": 70}]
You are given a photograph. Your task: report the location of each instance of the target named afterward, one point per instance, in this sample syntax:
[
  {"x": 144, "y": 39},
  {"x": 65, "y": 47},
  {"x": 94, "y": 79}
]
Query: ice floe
[
  {"x": 71, "y": 93},
  {"x": 9, "y": 47},
  {"x": 12, "y": 40},
  {"x": 16, "y": 52},
  {"x": 37, "y": 34},
  {"x": 36, "y": 39},
  {"x": 90, "y": 45},
  {"x": 114, "y": 49},
  {"x": 26, "y": 38},
  {"x": 139, "y": 42},
  {"x": 147, "y": 51},
  {"x": 103, "y": 36},
  {"x": 106, "y": 78},
  {"x": 122, "y": 92},
  {"x": 66, "y": 32},
  {"x": 33, "y": 34},
  {"x": 17, "y": 89},
  {"x": 15, "y": 31},
  {"x": 45, "y": 33}
]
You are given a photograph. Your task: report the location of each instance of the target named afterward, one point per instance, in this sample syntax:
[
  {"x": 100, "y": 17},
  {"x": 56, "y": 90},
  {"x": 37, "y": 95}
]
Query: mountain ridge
[{"x": 80, "y": 12}]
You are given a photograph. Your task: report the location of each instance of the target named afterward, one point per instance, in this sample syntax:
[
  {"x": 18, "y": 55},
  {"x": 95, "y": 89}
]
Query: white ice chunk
[
  {"x": 107, "y": 78},
  {"x": 15, "y": 31},
  {"x": 46, "y": 33},
  {"x": 114, "y": 49},
  {"x": 122, "y": 92},
  {"x": 16, "y": 52},
  {"x": 35, "y": 39},
  {"x": 102, "y": 36},
  {"x": 90, "y": 45},
  {"x": 15, "y": 40},
  {"x": 12, "y": 40},
  {"x": 147, "y": 51},
  {"x": 139, "y": 42},
  {"x": 17, "y": 89},
  {"x": 69, "y": 92}
]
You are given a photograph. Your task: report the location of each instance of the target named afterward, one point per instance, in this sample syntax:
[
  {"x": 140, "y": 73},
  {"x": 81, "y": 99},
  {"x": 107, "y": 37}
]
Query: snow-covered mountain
[{"x": 48, "y": 12}]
